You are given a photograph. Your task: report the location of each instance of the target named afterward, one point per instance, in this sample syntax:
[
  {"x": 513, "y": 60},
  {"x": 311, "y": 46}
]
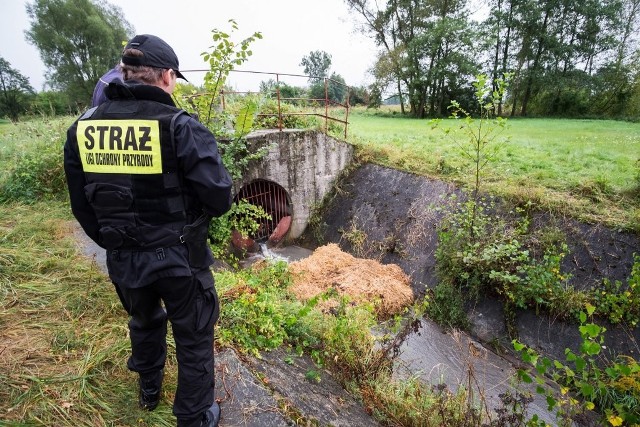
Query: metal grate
[{"x": 272, "y": 198}]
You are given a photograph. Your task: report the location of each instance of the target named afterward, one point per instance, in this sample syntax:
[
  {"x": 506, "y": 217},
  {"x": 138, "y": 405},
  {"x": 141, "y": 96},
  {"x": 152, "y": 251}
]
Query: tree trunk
[{"x": 536, "y": 63}]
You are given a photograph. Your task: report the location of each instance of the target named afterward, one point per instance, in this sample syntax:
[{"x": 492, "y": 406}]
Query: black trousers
[{"x": 192, "y": 307}]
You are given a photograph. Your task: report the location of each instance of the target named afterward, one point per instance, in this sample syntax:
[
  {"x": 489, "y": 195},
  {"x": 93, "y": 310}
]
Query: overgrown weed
[{"x": 31, "y": 160}]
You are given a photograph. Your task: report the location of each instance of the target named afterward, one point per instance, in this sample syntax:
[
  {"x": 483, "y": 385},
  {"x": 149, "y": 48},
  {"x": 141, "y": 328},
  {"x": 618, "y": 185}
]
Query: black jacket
[{"x": 161, "y": 203}]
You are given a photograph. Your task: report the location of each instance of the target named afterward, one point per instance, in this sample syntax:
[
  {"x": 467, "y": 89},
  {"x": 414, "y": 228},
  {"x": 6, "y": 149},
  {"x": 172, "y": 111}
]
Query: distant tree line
[
  {"x": 565, "y": 58},
  {"x": 321, "y": 85},
  {"x": 78, "y": 41}
]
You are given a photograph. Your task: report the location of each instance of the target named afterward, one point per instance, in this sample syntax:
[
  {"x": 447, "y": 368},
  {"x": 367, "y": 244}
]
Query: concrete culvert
[{"x": 275, "y": 201}]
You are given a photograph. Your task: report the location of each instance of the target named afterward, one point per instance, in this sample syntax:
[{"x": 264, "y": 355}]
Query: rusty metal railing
[{"x": 326, "y": 101}]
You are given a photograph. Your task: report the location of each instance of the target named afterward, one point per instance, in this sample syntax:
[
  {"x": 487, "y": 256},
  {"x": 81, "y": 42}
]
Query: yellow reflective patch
[{"x": 120, "y": 146}]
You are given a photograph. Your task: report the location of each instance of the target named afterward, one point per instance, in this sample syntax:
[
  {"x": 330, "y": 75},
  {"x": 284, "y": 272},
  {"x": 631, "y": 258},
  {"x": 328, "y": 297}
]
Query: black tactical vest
[{"x": 133, "y": 182}]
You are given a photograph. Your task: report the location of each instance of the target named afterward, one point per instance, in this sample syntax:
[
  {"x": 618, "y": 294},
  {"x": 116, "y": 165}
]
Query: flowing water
[
  {"x": 286, "y": 253},
  {"x": 455, "y": 359},
  {"x": 436, "y": 357}
]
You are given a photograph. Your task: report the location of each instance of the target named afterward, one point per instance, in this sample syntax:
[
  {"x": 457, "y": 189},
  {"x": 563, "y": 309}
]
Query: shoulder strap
[
  {"x": 172, "y": 127},
  {"x": 87, "y": 114},
  {"x": 172, "y": 131}
]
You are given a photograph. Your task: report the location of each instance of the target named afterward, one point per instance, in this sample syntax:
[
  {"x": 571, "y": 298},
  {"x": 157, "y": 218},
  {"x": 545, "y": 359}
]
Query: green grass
[
  {"x": 587, "y": 168},
  {"x": 63, "y": 340},
  {"x": 18, "y": 139}
]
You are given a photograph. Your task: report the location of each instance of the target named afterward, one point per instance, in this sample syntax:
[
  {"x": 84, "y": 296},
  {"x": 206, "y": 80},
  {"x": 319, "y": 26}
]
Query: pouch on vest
[
  {"x": 195, "y": 238},
  {"x": 111, "y": 238},
  {"x": 105, "y": 197}
]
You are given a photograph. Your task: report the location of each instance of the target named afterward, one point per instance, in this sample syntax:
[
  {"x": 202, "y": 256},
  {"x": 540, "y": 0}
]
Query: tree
[
  {"x": 554, "y": 48},
  {"x": 51, "y": 103},
  {"x": 316, "y": 64},
  {"x": 384, "y": 33},
  {"x": 617, "y": 81},
  {"x": 14, "y": 91},
  {"x": 332, "y": 88},
  {"x": 337, "y": 88},
  {"x": 270, "y": 88},
  {"x": 361, "y": 95},
  {"x": 78, "y": 41},
  {"x": 427, "y": 47},
  {"x": 224, "y": 55}
]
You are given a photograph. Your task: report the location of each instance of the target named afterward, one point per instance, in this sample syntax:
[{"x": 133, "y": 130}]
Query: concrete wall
[{"x": 304, "y": 163}]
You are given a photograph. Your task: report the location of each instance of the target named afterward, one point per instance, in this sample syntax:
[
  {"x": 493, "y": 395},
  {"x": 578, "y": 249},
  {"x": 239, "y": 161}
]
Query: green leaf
[
  {"x": 551, "y": 402},
  {"x": 586, "y": 390},
  {"x": 525, "y": 377},
  {"x": 590, "y": 330},
  {"x": 591, "y": 348}
]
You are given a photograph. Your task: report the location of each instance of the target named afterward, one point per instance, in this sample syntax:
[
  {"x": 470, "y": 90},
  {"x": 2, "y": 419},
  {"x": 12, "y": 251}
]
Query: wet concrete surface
[{"x": 274, "y": 391}]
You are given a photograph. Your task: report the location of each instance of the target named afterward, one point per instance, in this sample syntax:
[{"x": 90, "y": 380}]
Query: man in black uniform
[{"x": 144, "y": 180}]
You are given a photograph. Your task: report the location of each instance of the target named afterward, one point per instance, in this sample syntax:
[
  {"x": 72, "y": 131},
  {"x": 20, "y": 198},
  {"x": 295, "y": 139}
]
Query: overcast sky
[{"x": 290, "y": 28}]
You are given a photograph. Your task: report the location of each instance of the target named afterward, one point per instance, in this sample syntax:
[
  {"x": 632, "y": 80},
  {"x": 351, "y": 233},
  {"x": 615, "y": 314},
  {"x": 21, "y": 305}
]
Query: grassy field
[
  {"x": 588, "y": 168},
  {"x": 64, "y": 344}
]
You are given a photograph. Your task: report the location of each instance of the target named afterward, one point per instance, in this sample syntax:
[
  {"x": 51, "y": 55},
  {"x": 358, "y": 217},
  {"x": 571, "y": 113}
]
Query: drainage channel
[
  {"x": 274, "y": 200},
  {"x": 434, "y": 356},
  {"x": 428, "y": 354}
]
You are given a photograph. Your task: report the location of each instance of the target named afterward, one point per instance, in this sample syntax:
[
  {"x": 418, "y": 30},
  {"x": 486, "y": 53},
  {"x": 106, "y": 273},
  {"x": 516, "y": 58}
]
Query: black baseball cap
[{"x": 156, "y": 53}]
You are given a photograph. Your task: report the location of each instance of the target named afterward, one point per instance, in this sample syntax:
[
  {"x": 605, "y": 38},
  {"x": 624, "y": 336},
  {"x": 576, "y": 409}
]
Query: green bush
[
  {"x": 619, "y": 302},
  {"x": 34, "y": 169},
  {"x": 448, "y": 307},
  {"x": 50, "y": 103},
  {"x": 614, "y": 389},
  {"x": 479, "y": 252},
  {"x": 291, "y": 119},
  {"x": 259, "y": 313},
  {"x": 242, "y": 217}
]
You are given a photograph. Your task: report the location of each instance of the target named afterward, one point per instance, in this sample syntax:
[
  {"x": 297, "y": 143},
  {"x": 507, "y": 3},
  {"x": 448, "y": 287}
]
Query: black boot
[
  {"x": 150, "y": 388},
  {"x": 211, "y": 417}
]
